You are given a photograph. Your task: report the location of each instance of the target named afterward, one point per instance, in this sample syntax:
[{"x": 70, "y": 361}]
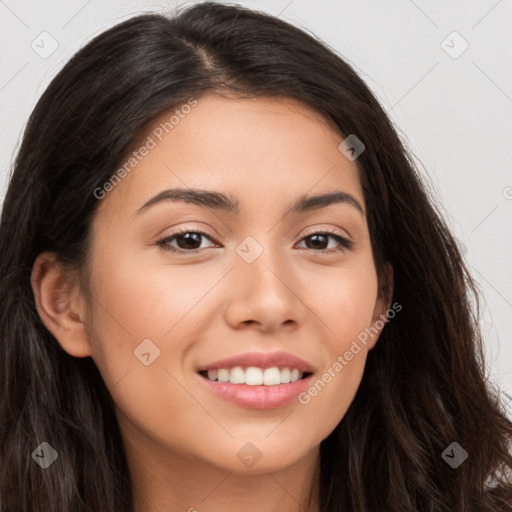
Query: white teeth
[
  {"x": 223, "y": 375},
  {"x": 285, "y": 375},
  {"x": 295, "y": 375},
  {"x": 253, "y": 376},
  {"x": 271, "y": 376},
  {"x": 236, "y": 375}
]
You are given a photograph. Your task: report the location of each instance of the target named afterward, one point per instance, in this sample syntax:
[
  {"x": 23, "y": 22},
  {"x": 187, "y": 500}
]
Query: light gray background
[{"x": 455, "y": 114}]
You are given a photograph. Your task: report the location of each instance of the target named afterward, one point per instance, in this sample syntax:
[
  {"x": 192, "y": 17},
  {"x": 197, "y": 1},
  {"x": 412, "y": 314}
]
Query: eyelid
[
  {"x": 190, "y": 229},
  {"x": 329, "y": 230}
]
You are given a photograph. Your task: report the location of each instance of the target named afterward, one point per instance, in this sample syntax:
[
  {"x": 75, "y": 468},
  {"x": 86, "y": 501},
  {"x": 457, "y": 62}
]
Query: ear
[
  {"x": 60, "y": 304},
  {"x": 382, "y": 305}
]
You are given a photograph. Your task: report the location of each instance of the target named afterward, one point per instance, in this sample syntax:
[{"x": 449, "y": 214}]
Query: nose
[{"x": 265, "y": 295}]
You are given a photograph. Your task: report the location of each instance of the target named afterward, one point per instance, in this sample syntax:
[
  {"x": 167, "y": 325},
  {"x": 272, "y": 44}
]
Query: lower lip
[{"x": 258, "y": 397}]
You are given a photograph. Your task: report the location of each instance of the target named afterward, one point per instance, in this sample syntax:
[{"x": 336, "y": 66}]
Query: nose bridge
[
  {"x": 262, "y": 262},
  {"x": 263, "y": 284}
]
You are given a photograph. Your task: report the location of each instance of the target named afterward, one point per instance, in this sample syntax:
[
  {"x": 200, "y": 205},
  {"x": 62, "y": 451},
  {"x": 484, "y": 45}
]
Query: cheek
[
  {"x": 127, "y": 308},
  {"x": 136, "y": 318},
  {"x": 347, "y": 315},
  {"x": 329, "y": 396},
  {"x": 145, "y": 298},
  {"x": 344, "y": 300},
  {"x": 143, "y": 320},
  {"x": 345, "y": 304}
]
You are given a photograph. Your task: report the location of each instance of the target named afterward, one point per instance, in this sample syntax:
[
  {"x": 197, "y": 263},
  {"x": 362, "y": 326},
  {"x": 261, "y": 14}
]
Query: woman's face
[{"x": 264, "y": 279}]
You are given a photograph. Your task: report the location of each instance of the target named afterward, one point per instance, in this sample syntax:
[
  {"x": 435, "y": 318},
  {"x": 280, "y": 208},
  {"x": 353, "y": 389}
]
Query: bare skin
[{"x": 311, "y": 300}]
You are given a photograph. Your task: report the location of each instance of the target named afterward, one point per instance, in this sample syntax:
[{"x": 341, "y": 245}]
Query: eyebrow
[{"x": 219, "y": 201}]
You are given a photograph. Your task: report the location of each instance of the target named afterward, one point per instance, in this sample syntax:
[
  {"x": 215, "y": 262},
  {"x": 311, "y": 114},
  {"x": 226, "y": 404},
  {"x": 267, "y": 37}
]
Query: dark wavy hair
[{"x": 424, "y": 385}]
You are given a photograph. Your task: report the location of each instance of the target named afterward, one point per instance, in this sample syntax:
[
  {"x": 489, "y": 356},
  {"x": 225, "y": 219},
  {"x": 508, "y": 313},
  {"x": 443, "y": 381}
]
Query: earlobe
[{"x": 60, "y": 304}]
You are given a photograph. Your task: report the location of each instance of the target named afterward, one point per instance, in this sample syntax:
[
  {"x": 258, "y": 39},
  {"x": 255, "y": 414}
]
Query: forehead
[{"x": 264, "y": 151}]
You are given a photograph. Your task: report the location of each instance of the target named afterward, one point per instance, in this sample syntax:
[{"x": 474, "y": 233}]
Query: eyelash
[{"x": 345, "y": 243}]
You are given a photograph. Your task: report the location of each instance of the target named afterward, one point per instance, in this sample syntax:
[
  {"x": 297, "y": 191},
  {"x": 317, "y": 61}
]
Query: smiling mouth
[{"x": 254, "y": 376}]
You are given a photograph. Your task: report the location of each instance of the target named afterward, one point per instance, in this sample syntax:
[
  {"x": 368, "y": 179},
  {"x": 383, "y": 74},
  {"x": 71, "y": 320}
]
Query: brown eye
[
  {"x": 187, "y": 241},
  {"x": 320, "y": 242}
]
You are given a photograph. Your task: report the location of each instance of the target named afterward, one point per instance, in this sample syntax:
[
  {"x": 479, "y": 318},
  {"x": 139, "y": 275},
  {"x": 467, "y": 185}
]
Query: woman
[{"x": 320, "y": 351}]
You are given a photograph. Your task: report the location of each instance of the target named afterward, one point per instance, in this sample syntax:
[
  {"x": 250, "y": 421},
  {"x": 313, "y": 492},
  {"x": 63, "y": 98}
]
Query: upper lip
[{"x": 260, "y": 360}]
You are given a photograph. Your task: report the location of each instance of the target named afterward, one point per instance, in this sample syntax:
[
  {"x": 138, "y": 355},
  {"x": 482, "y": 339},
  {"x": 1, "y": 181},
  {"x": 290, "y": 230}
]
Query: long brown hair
[{"x": 425, "y": 385}]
